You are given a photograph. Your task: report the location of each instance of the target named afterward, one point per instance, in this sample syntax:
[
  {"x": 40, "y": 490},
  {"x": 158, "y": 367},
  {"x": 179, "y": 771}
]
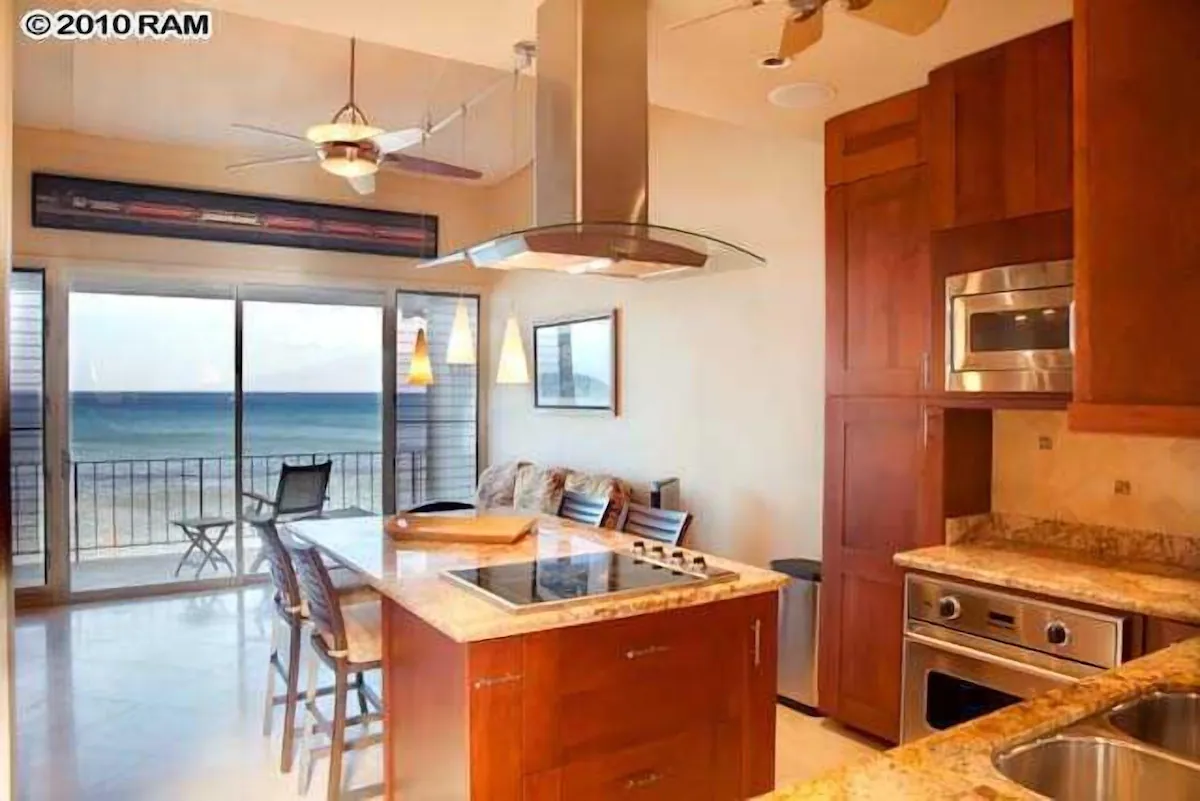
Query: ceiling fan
[
  {"x": 805, "y": 19},
  {"x": 350, "y": 147}
]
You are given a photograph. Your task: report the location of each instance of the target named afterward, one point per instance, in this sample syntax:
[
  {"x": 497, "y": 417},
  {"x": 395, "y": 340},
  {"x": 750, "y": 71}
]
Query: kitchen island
[{"x": 664, "y": 694}]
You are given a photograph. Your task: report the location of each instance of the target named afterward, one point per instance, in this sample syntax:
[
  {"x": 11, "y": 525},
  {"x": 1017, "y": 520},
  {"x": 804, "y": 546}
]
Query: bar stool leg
[
  {"x": 293, "y": 696},
  {"x": 269, "y": 711},
  {"x": 337, "y": 737},
  {"x": 310, "y": 722}
]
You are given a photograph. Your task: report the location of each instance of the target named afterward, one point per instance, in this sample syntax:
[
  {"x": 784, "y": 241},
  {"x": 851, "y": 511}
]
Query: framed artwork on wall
[
  {"x": 575, "y": 363},
  {"x": 87, "y": 204}
]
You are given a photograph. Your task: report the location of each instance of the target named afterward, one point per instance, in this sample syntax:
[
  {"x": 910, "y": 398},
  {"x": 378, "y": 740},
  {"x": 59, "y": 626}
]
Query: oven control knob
[
  {"x": 658, "y": 552},
  {"x": 949, "y": 608},
  {"x": 1057, "y": 633},
  {"x": 698, "y": 563},
  {"x": 639, "y": 549}
]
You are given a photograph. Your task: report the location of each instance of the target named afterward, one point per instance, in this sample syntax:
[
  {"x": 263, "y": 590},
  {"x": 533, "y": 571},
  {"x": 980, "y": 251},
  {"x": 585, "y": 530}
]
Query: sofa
[{"x": 530, "y": 487}]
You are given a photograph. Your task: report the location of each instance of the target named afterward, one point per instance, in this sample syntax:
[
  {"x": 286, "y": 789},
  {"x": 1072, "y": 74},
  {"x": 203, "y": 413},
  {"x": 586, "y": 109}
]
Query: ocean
[{"x": 143, "y": 459}]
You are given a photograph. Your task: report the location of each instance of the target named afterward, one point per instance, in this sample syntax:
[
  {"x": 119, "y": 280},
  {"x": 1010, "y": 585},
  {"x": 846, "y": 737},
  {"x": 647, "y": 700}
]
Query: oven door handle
[{"x": 992, "y": 659}]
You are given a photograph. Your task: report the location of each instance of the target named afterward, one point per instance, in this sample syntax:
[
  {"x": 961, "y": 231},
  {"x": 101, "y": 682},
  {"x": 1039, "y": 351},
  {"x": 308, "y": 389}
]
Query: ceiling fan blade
[
  {"x": 394, "y": 141},
  {"x": 407, "y": 163},
  {"x": 267, "y": 162},
  {"x": 268, "y": 131},
  {"x": 363, "y": 184},
  {"x": 745, "y": 5},
  {"x": 800, "y": 32},
  {"x": 910, "y": 17}
]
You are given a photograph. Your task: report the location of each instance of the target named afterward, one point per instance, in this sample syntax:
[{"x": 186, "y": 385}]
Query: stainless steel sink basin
[
  {"x": 1090, "y": 768},
  {"x": 1170, "y": 721}
]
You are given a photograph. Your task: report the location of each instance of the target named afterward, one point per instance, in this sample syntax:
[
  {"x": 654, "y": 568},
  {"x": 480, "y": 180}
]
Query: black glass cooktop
[{"x": 533, "y": 585}]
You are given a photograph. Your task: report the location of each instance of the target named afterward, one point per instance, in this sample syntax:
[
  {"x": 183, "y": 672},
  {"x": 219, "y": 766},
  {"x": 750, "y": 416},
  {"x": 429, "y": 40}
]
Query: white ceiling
[{"x": 437, "y": 54}]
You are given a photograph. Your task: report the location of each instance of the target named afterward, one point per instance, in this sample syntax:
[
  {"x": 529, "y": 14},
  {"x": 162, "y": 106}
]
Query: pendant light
[
  {"x": 513, "y": 368},
  {"x": 461, "y": 347},
  {"x": 420, "y": 371}
]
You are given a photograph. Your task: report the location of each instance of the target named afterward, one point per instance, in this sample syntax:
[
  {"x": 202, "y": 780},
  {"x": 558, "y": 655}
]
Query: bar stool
[
  {"x": 347, "y": 639},
  {"x": 291, "y": 615}
]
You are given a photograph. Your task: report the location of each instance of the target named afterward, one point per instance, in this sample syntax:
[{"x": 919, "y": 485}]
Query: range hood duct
[{"x": 591, "y": 158}]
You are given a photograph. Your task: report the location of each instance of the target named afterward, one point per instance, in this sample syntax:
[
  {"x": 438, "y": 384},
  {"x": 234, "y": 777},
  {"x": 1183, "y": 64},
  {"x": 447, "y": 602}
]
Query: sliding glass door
[
  {"x": 28, "y": 465},
  {"x": 152, "y": 433}
]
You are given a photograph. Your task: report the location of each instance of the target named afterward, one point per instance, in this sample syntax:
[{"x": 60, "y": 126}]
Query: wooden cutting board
[{"x": 482, "y": 529}]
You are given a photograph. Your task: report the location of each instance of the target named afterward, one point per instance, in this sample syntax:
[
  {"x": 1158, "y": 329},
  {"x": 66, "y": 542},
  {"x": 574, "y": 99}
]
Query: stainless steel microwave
[{"x": 1011, "y": 329}]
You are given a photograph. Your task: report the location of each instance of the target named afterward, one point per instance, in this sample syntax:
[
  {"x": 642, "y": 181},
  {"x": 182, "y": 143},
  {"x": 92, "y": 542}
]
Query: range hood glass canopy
[
  {"x": 591, "y": 170},
  {"x": 620, "y": 250}
]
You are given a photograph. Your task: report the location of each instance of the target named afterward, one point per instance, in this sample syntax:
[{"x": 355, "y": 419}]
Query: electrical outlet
[
  {"x": 1045, "y": 443},
  {"x": 1122, "y": 487}
]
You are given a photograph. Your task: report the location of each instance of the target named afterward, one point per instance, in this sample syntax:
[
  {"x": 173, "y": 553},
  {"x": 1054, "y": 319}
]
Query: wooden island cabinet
[{"x": 662, "y": 695}]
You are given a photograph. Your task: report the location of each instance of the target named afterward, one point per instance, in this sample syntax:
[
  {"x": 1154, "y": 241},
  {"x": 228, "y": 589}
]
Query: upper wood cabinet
[
  {"x": 875, "y": 139},
  {"x": 877, "y": 286},
  {"x": 999, "y": 131},
  {"x": 1137, "y": 241}
]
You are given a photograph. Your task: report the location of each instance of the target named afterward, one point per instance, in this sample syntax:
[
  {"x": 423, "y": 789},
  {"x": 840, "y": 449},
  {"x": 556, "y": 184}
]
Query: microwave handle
[
  {"x": 1071, "y": 327},
  {"x": 991, "y": 659}
]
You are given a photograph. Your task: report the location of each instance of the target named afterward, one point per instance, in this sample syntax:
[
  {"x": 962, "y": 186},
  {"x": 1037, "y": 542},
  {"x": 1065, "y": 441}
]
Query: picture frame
[
  {"x": 575, "y": 363},
  {"x": 117, "y": 207}
]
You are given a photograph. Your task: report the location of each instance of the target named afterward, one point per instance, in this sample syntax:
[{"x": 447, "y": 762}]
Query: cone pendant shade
[
  {"x": 461, "y": 348},
  {"x": 513, "y": 369},
  {"x": 420, "y": 371}
]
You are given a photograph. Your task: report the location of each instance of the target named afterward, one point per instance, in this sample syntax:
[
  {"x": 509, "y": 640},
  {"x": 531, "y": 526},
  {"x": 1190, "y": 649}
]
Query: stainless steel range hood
[{"x": 591, "y": 162}]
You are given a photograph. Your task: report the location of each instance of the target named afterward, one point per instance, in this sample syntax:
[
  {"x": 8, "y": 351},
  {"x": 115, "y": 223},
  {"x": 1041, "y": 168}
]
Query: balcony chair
[
  {"x": 587, "y": 509},
  {"x": 348, "y": 640},
  {"x": 665, "y": 525},
  {"x": 301, "y": 492},
  {"x": 291, "y": 615}
]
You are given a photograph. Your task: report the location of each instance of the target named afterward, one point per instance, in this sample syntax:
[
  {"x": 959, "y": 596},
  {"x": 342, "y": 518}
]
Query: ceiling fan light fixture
[
  {"x": 348, "y": 125},
  {"x": 349, "y": 159},
  {"x": 775, "y": 62}
]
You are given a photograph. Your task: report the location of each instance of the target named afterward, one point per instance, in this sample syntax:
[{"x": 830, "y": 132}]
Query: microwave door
[{"x": 1022, "y": 330}]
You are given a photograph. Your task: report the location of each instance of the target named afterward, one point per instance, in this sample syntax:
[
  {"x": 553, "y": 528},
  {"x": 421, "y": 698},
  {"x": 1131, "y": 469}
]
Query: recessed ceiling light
[
  {"x": 801, "y": 95},
  {"x": 774, "y": 62}
]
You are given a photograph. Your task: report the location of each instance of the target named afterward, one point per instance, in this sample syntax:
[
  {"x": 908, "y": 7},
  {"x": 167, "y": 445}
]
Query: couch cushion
[
  {"x": 597, "y": 484},
  {"x": 497, "y": 485},
  {"x": 539, "y": 489}
]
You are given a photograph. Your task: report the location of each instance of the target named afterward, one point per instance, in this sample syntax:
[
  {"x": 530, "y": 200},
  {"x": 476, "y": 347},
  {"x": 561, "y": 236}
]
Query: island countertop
[{"x": 408, "y": 573}]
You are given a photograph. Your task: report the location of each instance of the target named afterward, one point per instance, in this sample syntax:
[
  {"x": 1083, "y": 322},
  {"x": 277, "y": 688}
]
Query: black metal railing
[{"x": 128, "y": 503}]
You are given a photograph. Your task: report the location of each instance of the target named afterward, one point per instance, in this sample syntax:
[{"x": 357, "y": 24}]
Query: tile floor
[{"x": 161, "y": 699}]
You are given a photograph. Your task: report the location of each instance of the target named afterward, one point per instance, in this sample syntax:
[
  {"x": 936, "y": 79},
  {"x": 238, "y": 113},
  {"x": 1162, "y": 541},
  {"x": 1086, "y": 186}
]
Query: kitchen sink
[
  {"x": 1166, "y": 720},
  {"x": 1070, "y": 767}
]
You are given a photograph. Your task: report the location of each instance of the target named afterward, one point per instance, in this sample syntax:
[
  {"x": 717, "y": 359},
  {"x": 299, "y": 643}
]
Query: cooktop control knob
[
  {"x": 677, "y": 557},
  {"x": 639, "y": 549},
  {"x": 658, "y": 552},
  {"x": 1057, "y": 633},
  {"x": 949, "y": 608},
  {"x": 699, "y": 564}
]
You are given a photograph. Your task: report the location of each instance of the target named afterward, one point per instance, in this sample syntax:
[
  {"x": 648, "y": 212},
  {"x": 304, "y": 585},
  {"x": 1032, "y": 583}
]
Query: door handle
[
  {"x": 757, "y": 642},
  {"x": 926, "y": 370}
]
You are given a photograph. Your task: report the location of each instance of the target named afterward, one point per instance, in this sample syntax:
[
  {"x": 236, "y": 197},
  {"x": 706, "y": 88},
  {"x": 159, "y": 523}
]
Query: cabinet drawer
[
  {"x": 673, "y": 768},
  {"x": 638, "y": 651}
]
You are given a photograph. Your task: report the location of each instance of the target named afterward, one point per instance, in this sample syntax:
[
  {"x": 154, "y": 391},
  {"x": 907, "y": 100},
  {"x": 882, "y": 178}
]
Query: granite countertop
[
  {"x": 1145, "y": 588},
  {"x": 407, "y": 572},
  {"x": 957, "y": 763}
]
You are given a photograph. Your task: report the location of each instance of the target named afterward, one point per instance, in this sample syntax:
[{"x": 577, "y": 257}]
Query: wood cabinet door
[
  {"x": 877, "y": 286},
  {"x": 875, "y": 460},
  {"x": 1137, "y": 244},
  {"x": 999, "y": 131},
  {"x": 875, "y": 139}
]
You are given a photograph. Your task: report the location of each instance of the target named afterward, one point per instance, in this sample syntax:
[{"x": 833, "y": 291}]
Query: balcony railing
[{"x": 129, "y": 503}]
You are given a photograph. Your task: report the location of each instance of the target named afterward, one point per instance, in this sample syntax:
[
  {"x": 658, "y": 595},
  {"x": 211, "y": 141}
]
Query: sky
[{"x": 138, "y": 343}]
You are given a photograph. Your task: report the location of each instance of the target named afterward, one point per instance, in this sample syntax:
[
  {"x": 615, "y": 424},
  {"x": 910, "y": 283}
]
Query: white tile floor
[{"x": 160, "y": 700}]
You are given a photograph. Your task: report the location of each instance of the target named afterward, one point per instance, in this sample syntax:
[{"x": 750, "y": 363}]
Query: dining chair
[
  {"x": 665, "y": 525},
  {"x": 348, "y": 640},
  {"x": 587, "y": 509},
  {"x": 291, "y": 615},
  {"x": 301, "y": 492}
]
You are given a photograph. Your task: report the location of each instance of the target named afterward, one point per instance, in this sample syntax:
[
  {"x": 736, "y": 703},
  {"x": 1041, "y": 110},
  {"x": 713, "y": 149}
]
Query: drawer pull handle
[
  {"x": 642, "y": 780},
  {"x": 492, "y": 681},
  {"x": 638, "y": 653}
]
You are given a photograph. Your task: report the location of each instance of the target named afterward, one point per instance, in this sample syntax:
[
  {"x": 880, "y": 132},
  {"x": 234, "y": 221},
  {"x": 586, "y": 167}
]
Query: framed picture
[
  {"x": 575, "y": 363},
  {"x": 86, "y": 204}
]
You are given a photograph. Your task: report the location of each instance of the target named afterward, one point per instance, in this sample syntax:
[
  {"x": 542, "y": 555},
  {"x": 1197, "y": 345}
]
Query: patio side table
[{"x": 208, "y": 546}]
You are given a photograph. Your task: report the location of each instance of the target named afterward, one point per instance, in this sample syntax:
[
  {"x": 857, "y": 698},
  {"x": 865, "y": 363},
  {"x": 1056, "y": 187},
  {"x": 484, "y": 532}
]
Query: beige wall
[
  {"x": 465, "y": 212},
  {"x": 1074, "y": 479},
  {"x": 721, "y": 376}
]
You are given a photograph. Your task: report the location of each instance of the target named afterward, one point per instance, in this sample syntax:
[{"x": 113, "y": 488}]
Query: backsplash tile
[{"x": 1147, "y": 483}]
